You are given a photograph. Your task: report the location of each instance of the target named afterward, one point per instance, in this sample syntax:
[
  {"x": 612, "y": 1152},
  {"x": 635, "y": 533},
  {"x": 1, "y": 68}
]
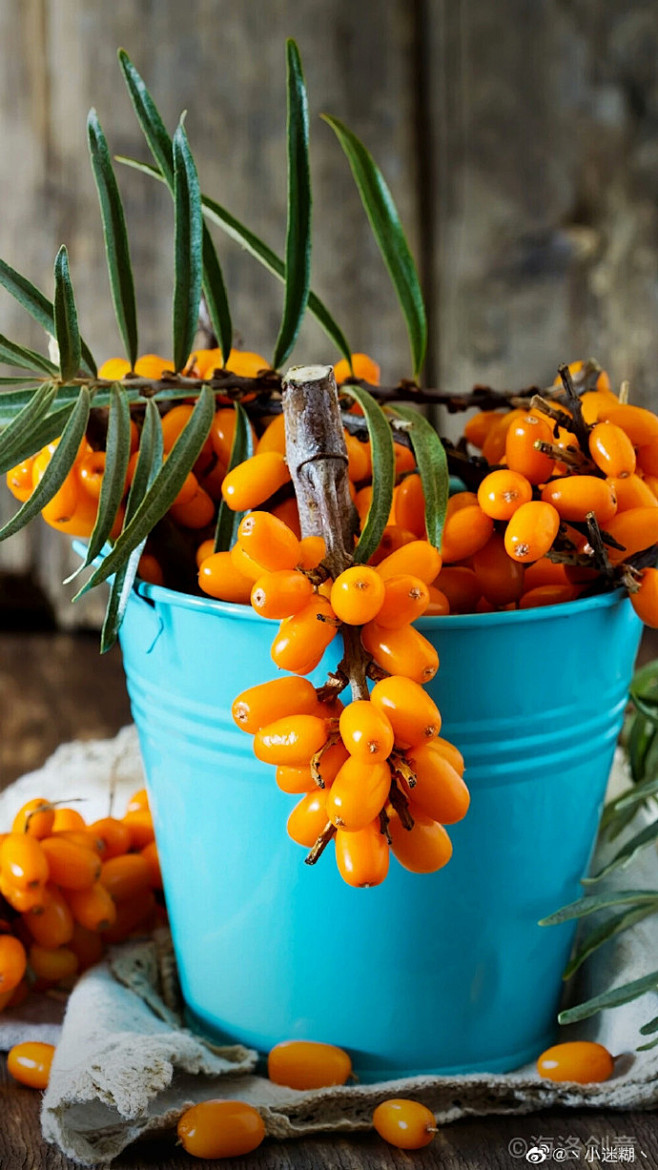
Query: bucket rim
[{"x": 161, "y": 595}]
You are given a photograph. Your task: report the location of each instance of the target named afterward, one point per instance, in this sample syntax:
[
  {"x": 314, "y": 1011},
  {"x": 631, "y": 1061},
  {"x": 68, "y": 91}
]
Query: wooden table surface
[{"x": 54, "y": 688}]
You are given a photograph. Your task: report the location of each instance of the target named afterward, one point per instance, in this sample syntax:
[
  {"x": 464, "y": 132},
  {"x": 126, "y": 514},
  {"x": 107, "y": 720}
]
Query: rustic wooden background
[{"x": 519, "y": 139}]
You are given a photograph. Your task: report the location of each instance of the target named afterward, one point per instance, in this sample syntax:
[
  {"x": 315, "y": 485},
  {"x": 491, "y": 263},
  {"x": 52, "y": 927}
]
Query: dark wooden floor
[{"x": 53, "y": 688}]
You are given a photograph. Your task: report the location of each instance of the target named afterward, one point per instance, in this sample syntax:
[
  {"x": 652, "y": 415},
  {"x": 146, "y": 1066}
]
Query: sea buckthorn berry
[
  {"x": 499, "y": 578},
  {"x": 71, "y": 865},
  {"x": 408, "y": 1125},
  {"x": 68, "y": 818},
  {"x": 417, "y": 557},
  {"x": 366, "y": 732},
  {"x": 331, "y": 762},
  {"x": 404, "y": 651},
  {"x": 149, "y": 569},
  {"x": 306, "y": 1064},
  {"x": 287, "y": 511},
  {"x": 439, "y": 792},
  {"x": 502, "y": 492},
  {"x": 83, "y": 837},
  {"x": 174, "y": 423},
  {"x": 268, "y": 541},
  {"x": 52, "y": 963},
  {"x": 363, "y": 368},
  {"x": 295, "y": 781},
  {"x": 574, "y": 496},
  {"x": 493, "y": 448},
  {"x": 424, "y": 848},
  {"x": 439, "y": 606},
  {"x": 262, "y": 704},
  {"x": 358, "y": 794},
  {"x": 466, "y": 530},
  {"x": 91, "y": 470},
  {"x": 13, "y": 962},
  {"x": 362, "y": 857},
  {"x": 140, "y": 827},
  {"x": 205, "y": 549},
  {"x": 23, "y": 861},
  {"x": 245, "y": 565},
  {"x": 19, "y": 480},
  {"x": 635, "y": 529},
  {"x": 647, "y": 457},
  {"x": 312, "y": 550},
  {"x": 612, "y": 450},
  {"x": 53, "y": 925},
  {"x": 222, "y": 433},
  {"x": 251, "y": 483},
  {"x": 639, "y": 424},
  {"x": 63, "y": 506},
  {"x": 152, "y": 859},
  {"x": 30, "y": 1062},
  {"x": 544, "y": 572},
  {"x": 531, "y": 531},
  {"x": 218, "y": 577},
  {"x": 22, "y": 900},
  {"x": 478, "y": 426},
  {"x": 357, "y": 595},
  {"x": 581, "y": 1061},
  {"x": 393, "y": 537},
  {"x": 114, "y": 836},
  {"x": 549, "y": 595},
  {"x": 86, "y": 944},
  {"x": 521, "y": 453},
  {"x": 273, "y": 437},
  {"x": 410, "y": 506},
  {"x": 308, "y": 818},
  {"x": 645, "y": 601},
  {"x": 303, "y": 638},
  {"x": 220, "y": 1129},
  {"x": 198, "y": 512},
  {"x": 151, "y": 365},
  {"x": 125, "y": 876},
  {"x": 359, "y": 458},
  {"x": 291, "y": 740},
  {"x": 405, "y": 599},
  {"x": 135, "y": 914},
  {"x": 362, "y": 501},
  {"x": 450, "y": 753},
  {"x": 36, "y": 817},
  {"x": 138, "y": 800},
  {"x": 280, "y": 594},
  {"x": 460, "y": 586},
  {"x": 413, "y": 715},
  {"x": 632, "y": 492},
  {"x": 405, "y": 459}
]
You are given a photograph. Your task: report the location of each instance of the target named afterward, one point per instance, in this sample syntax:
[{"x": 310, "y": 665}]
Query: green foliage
[
  {"x": 114, "y": 478},
  {"x": 188, "y": 253},
  {"x": 641, "y": 736},
  {"x": 433, "y": 468},
  {"x": 383, "y": 471},
  {"x": 65, "y": 314}
]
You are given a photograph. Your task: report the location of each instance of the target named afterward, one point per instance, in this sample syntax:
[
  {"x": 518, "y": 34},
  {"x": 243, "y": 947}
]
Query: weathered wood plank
[{"x": 543, "y": 168}]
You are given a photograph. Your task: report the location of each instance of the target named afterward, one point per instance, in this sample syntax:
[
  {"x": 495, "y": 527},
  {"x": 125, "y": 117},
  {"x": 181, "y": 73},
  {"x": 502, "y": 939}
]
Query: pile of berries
[{"x": 67, "y": 889}]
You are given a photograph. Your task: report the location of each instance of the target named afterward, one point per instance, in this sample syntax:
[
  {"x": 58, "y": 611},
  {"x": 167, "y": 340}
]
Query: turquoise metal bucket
[{"x": 424, "y": 974}]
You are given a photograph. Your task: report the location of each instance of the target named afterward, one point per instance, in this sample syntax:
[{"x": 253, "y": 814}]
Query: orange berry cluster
[
  {"x": 68, "y": 888},
  {"x": 375, "y": 771}
]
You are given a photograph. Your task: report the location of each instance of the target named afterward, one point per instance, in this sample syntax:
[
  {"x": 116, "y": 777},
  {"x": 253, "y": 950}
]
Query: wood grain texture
[{"x": 544, "y": 169}]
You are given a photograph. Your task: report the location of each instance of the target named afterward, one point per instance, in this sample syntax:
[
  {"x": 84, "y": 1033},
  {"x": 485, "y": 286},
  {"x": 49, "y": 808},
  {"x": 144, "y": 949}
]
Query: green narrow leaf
[
  {"x": 610, "y": 999},
  {"x": 629, "y": 850},
  {"x": 56, "y": 471},
  {"x": 240, "y": 234},
  {"x": 594, "y": 902},
  {"x": 433, "y": 467},
  {"x": 151, "y": 450},
  {"x": 389, "y": 234},
  {"x": 16, "y": 355},
  {"x": 639, "y": 740},
  {"x": 214, "y": 290},
  {"x": 149, "y": 118},
  {"x": 161, "y": 147},
  {"x": 646, "y": 1047},
  {"x": 242, "y": 448},
  {"x": 117, "y": 251},
  {"x": 66, "y": 318},
  {"x": 18, "y": 433},
  {"x": 648, "y": 1028},
  {"x": 163, "y": 490},
  {"x": 383, "y": 471},
  {"x": 51, "y": 427},
  {"x": 38, "y": 306},
  {"x": 298, "y": 233},
  {"x": 114, "y": 478},
  {"x": 15, "y": 382},
  {"x": 647, "y": 705},
  {"x": 604, "y": 932},
  {"x": 188, "y": 241}
]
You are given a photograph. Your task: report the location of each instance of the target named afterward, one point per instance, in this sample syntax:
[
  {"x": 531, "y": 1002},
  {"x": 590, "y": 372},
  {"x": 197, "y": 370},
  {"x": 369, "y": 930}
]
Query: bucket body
[{"x": 437, "y": 973}]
